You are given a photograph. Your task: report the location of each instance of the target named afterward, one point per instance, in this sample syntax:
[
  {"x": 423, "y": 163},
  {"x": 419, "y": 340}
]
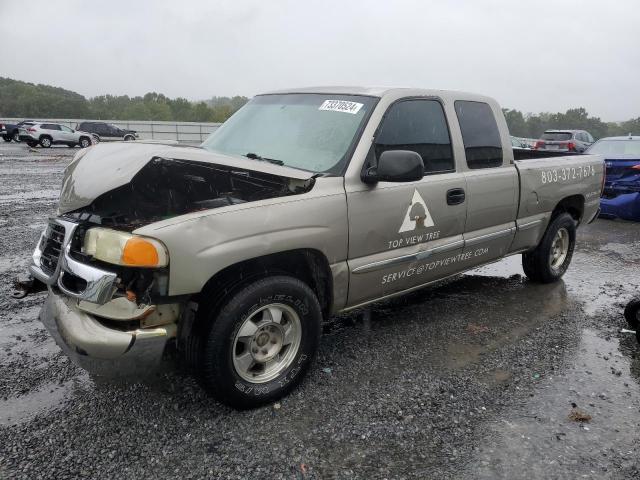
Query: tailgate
[{"x": 545, "y": 182}]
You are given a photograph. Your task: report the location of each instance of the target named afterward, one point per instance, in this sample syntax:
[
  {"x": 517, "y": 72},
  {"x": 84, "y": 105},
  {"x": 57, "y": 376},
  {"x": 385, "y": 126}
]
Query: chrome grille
[{"x": 51, "y": 247}]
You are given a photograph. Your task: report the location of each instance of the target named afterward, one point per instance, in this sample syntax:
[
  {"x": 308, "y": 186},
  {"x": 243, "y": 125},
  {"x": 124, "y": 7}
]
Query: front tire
[
  {"x": 551, "y": 258},
  {"x": 45, "y": 142},
  {"x": 6, "y": 138},
  {"x": 129, "y": 138},
  {"x": 85, "y": 142},
  {"x": 261, "y": 343},
  {"x": 632, "y": 313}
]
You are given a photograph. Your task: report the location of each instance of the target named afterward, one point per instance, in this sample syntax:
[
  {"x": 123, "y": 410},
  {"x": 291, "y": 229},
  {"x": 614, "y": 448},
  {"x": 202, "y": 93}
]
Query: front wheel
[
  {"x": 261, "y": 343},
  {"x": 6, "y": 138},
  {"x": 632, "y": 313},
  {"x": 85, "y": 142},
  {"x": 551, "y": 258}
]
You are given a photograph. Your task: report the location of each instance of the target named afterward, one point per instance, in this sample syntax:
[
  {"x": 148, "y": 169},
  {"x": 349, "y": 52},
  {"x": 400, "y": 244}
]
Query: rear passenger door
[
  {"x": 406, "y": 234},
  {"x": 492, "y": 184}
]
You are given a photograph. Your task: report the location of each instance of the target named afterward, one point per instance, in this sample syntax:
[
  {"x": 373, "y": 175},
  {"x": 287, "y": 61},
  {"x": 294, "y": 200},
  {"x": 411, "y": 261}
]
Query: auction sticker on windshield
[{"x": 341, "y": 106}]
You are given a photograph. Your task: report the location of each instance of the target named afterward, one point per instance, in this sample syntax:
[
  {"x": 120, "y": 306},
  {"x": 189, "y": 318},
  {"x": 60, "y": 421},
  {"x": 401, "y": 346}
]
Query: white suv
[{"x": 47, "y": 134}]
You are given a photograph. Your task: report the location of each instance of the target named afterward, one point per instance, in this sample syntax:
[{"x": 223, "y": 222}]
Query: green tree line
[
  {"x": 533, "y": 125},
  {"x": 27, "y": 100}
]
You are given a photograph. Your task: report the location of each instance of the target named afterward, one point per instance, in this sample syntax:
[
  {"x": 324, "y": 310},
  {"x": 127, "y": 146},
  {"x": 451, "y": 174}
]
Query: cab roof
[{"x": 379, "y": 91}]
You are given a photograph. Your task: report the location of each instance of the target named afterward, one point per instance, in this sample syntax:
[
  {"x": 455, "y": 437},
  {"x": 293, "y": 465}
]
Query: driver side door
[{"x": 403, "y": 235}]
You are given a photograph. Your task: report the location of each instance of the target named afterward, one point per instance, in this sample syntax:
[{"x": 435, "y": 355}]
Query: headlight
[{"x": 122, "y": 248}]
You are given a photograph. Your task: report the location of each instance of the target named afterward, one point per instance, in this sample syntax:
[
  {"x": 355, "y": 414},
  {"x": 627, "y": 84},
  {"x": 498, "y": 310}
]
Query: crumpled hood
[{"x": 104, "y": 167}]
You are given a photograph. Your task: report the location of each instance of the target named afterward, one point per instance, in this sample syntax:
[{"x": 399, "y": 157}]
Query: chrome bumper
[
  {"x": 100, "y": 284},
  {"x": 97, "y": 348}
]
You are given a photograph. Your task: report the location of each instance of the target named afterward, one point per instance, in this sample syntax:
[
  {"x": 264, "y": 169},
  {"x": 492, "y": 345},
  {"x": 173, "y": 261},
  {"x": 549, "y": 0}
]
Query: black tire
[
  {"x": 215, "y": 361},
  {"x": 632, "y": 313},
  {"x": 32, "y": 144},
  {"x": 537, "y": 264},
  {"x": 45, "y": 141},
  {"x": 129, "y": 138},
  {"x": 16, "y": 136},
  {"x": 6, "y": 138},
  {"x": 85, "y": 142},
  {"x": 96, "y": 138}
]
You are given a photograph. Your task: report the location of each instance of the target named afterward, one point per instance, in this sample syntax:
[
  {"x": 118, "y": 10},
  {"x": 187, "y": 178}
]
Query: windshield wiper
[{"x": 255, "y": 156}]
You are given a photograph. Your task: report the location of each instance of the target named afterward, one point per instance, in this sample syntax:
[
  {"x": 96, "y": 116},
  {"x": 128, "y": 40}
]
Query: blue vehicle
[{"x": 621, "y": 196}]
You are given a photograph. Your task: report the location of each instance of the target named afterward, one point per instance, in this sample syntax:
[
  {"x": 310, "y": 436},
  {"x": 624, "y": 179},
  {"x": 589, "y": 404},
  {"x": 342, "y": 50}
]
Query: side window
[
  {"x": 65, "y": 129},
  {"x": 480, "y": 134},
  {"x": 580, "y": 136},
  {"x": 419, "y": 126}
]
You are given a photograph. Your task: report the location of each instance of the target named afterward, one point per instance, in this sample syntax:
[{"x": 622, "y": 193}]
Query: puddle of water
[
  {"x": 546, "y": 443},
  {"x": 16, "y": 410}
]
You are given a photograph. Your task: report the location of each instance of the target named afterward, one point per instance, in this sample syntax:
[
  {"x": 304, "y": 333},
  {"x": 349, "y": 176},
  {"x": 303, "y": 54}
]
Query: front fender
[{"x": 204, "y": 243}]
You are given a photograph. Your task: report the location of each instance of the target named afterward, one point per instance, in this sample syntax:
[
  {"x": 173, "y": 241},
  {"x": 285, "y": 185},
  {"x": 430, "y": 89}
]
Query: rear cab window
[
  {"x": 480, "y": 134},
  {"x": 418, "y": 125}
]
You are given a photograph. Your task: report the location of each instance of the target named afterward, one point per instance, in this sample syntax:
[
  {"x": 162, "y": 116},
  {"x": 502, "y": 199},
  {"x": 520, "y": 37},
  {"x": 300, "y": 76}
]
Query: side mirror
[{"x": 396, "y": 166}]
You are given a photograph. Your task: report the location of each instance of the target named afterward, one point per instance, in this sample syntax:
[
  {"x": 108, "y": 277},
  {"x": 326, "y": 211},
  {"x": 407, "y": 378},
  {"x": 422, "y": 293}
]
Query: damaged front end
[{"x": 108, "y": 305}]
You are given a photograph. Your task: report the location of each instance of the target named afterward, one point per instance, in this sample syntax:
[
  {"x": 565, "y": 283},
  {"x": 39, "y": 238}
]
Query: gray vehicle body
[
  {"x": 56, "y": 133},
  {"x": 571, "y": 141},
  {"x": 358, "y": 240}
]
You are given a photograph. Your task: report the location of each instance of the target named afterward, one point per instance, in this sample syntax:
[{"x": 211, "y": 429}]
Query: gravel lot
[{"x": 474, "y": 379}]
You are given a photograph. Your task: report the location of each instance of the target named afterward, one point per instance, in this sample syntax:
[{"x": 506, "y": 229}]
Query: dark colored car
[
  {"x": 12, "y": 131},
  {"x": 564, "y": 141},
  {"x": 621, "y": 196},
  {"x": 103, "y": 131}
]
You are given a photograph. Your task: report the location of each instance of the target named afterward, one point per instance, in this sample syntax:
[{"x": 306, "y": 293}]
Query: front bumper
[
  {"x": 625, "y": 206},
  {"x": 85, "y": 319},
  {"x": 99, "y": 349}
]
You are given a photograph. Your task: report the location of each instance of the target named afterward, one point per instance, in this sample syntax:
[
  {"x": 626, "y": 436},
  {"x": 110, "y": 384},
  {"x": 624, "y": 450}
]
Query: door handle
[{"x": 455, "y": 196}]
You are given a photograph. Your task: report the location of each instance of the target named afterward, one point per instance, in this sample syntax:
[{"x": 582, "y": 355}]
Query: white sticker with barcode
[{"x": 341, "y": 106}]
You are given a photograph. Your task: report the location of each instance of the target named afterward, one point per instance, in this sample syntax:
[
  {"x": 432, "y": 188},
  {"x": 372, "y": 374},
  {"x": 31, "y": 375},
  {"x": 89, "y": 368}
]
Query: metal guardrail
[{"x": 188, "y": 132}]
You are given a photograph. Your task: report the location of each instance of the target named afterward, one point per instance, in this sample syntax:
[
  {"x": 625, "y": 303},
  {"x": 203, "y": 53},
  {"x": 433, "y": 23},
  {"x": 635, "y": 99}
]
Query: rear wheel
[
  {"x": 551, "y": 258},
  {"x": 261, "y": 343},
  {"x": 45, "y": 142},
  {"x": 96, "y": 138},
  {"x": 632, "y": 313},
  {"x": 129, "y": 138},
  {"x": 85, "y": 142}
]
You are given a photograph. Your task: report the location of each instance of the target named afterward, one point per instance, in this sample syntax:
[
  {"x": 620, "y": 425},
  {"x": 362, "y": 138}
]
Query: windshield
[
  {"x": 616, "y": 147},
  {"x": 312, "y": 132},
  {"x": 554, "y": 136}
]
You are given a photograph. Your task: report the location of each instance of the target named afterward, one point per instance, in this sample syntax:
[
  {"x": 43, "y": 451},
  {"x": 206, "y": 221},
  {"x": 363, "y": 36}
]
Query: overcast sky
[{"x": 533, "y": 56}]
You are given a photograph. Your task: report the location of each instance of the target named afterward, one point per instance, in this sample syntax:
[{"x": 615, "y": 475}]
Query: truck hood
[{"x": 102, "y": 168}]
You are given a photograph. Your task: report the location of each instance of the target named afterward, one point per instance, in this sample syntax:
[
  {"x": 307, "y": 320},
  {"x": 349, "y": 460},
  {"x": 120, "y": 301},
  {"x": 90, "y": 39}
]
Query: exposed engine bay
[{"x": 166, "y": 188}]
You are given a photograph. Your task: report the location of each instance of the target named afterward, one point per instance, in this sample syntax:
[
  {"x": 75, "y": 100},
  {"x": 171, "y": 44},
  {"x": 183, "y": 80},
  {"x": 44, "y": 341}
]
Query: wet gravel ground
[{"x": 473, "y": 379}]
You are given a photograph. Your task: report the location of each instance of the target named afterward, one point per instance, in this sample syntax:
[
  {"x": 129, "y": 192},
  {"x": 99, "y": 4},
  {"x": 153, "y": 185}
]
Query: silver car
[{"x": 47, "y": 134}]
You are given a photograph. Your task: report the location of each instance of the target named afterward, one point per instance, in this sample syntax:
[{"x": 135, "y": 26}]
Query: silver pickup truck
[{"x": 303, "y": 204}]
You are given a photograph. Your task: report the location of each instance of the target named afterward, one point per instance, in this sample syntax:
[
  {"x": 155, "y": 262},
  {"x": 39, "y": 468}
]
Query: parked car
[
  {"x": 305, "y": 203},
  {"x": 47, "y": 134},
  {"x": 518, "y": 143},
  {"x": 621, "y": 196},
  {"x": 564, "y": 141},
  {"x": 107, "y": 131},
  {"x": 12, "y": 132}
]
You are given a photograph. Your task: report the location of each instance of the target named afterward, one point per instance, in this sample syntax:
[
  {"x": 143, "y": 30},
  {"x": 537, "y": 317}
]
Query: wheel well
[
  {"x": 573, "y": 205},
  {"x": 45, "y": 136},
  {"x": 307, "y": 265}
]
